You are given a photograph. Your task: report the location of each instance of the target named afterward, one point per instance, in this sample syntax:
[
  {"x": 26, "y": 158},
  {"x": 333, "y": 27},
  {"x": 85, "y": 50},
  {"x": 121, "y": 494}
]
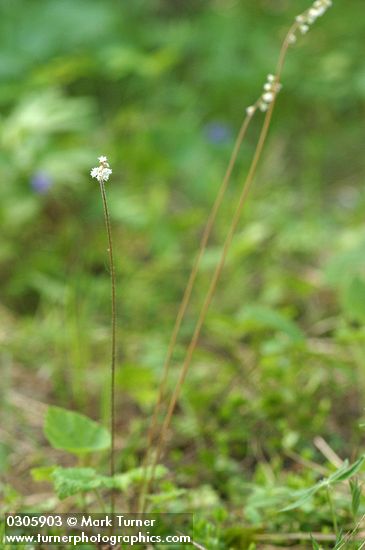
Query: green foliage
[
  {"x": 343, "y": 473},
  {"x": 315, "y": 544},
  {"x": 72, "y": 481},
  {"x": 356, "y": 496},
  {"x": 254, "y": 317},
  {"x": 160, "y": 87},
  {"x": 73, "y": 432}
]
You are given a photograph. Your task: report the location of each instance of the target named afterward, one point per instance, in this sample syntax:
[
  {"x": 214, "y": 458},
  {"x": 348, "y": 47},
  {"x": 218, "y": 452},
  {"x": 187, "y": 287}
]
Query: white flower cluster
[
  {"x": 306, "y": 19},
  {"x": 271, "y": 88},
  {"x": 101, "y": 172},
  {"x": 302, "y": 22}
]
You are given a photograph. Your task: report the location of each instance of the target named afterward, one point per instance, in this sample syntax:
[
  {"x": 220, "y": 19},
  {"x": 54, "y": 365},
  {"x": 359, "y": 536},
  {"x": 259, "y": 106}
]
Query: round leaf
[{"x": 74, "y": 432}]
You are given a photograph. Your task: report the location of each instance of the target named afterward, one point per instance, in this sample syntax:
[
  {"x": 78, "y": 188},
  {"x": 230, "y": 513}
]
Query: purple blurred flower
[
  {"x": 41, "y": 182},
  {"x": 218, "y": 132}
]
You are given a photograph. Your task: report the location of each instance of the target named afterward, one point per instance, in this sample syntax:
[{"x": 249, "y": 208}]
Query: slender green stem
[{"x": 113, "y": 342}]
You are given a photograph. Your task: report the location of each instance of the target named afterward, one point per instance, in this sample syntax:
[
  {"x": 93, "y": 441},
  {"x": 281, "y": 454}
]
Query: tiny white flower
[
  {"x": 271, "y": 88},
  {"x": 263, "y": 106},
  {"x": 300, "y": 19},
  {"x": 304, "y": 28},
  {"x": 268, "y": 97},
  {"x": 292, "y": 38},
  {"x": 250, "y": 110},
  {"x": 307, "y": 18},
  {"x": 102, "y": 172}
]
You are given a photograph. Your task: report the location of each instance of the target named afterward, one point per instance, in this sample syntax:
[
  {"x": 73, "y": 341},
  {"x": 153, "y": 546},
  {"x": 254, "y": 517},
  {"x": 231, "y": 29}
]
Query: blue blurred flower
[
  {"x": 41, "y": 182},
  {"x": 218, "y": 132}
]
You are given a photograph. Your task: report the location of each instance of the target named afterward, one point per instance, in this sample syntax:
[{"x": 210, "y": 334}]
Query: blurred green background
[{"x": 161, "y": 87}]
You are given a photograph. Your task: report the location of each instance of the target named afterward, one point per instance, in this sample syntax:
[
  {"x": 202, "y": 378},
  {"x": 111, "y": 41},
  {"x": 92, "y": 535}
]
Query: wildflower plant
[
  {"x": 264, "y": 103},
  {"x": 102, "y": 173}
]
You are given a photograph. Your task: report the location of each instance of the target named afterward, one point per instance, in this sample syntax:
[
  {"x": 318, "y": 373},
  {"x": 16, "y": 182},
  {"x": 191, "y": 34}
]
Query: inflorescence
[
  {"x": 302, "y": 23},
  {"x": 103, "y": 171},
  {"x": 306, "y": 19},
  {"x": 271, "y": 88}
]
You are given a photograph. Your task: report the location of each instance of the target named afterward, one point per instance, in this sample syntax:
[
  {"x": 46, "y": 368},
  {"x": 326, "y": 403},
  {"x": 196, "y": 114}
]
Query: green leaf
[
  {"x": 348, "y": 471},
  {"x": 315, "y": 544},
  {"x": 356, "y": 496},
  {"x": 342, "y": 474},
  {"x": 340, "y": 540},
  {"x": 74, "y": 432},
  {"x": 70, "y": 481},
  {"x": 265, "y": 317},
  {"x": 338, "y": 473},
  {"x": 303, "y": 496}
]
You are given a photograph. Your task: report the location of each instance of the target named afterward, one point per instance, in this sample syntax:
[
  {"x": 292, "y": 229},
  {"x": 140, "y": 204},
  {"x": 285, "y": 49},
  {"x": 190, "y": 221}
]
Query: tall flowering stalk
[
  {"x": 102, "y": 173},
  {"x": 185, "y": 302},
  {"x": 265, "y": 103}
]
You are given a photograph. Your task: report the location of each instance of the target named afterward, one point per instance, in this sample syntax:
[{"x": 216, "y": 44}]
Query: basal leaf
[{"x": 73, "y": 432}]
